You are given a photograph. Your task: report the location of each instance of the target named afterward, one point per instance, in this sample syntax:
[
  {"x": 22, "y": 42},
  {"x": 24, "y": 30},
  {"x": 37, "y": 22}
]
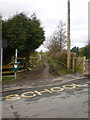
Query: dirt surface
[
  {"x": 41, "y": 72},
  {"x": 38, "y": 76}
]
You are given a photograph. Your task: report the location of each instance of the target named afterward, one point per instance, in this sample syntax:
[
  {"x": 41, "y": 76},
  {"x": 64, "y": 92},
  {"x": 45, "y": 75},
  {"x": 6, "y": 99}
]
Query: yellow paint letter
[
  {"x": 45, "y": 90},
  {"x": 25, "y": 94},
  {"x": 72, "y": 86},
  {"x": 57, "y": 89},
  {"x": 13, "y": 97}
]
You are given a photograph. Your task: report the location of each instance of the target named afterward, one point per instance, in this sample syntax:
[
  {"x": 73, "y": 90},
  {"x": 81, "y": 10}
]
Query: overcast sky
[{"x": 50, "y": 12}]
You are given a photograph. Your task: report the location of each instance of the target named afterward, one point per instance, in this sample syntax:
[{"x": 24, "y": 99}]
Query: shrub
[{"x": 58, "y": 62}]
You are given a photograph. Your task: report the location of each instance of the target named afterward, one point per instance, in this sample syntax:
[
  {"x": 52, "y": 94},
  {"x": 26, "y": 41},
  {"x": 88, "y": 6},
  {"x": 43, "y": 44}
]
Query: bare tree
[
  {"x": 57, "y": 41},
  {"x": 52, "y": 44}
]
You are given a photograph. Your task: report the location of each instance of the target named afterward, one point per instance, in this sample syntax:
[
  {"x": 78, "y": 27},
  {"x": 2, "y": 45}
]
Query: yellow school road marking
[
  {"x": 88, "y": 82},
  {"x": 13, "y": 97},
  {"x": 72, "y": 86},
  {"x": 86, "y": 85},
  {"x": 40, "y": 93},
  {"x": 57, "y": 89},
  {"x": 24, "y": 94},
  {"x": 31, "y": 94}
]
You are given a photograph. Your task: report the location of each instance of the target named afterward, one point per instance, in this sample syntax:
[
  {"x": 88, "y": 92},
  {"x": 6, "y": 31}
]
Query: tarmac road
[{"x": 61, "y": 100}]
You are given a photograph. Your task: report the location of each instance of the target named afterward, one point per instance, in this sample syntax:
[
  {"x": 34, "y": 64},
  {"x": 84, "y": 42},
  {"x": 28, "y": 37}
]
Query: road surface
[{"x": 57, "y": 100}]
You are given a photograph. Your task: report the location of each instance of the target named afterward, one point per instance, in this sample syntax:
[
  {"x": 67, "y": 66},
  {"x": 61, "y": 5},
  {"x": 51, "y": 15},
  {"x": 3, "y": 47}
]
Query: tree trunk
[{"x": 27, "y": 64}]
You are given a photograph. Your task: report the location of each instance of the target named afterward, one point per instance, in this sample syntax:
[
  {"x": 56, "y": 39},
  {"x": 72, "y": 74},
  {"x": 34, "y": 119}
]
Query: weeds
[{"x": 8, "y": 80}]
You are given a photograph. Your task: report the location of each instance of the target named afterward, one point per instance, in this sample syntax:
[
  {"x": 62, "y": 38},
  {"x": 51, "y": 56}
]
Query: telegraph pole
[{"x": 68, "y": 36}]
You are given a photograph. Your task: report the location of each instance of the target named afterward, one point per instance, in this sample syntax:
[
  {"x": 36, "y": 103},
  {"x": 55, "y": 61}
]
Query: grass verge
[
  {"x": 64, "y": 72},
  {"x": 8, "y": 79}
]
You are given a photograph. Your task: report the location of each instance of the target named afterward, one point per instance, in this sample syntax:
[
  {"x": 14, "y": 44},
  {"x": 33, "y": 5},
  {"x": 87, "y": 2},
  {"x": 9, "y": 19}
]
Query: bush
[{"x": 58, "y": 62}]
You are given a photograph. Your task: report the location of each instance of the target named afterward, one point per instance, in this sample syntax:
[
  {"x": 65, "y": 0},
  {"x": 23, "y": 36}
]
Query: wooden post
[
  {"x": 84, "y": 65},
  {"x": 1, "y": 63},
  {"x": 68, "y": 37},
  {"x": 73, "y": 64},
  {"x": 15, "y": 75}
]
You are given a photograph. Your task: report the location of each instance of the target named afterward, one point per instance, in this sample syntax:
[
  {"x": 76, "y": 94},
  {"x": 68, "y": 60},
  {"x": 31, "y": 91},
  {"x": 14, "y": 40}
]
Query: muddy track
[{"x": 39, "y": 73}]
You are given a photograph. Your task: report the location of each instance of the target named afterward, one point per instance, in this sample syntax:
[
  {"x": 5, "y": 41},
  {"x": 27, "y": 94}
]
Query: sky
[{"x": 50, "y": 12}]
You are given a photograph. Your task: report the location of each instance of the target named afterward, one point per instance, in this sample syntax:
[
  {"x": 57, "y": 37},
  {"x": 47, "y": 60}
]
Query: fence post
[
  {"x": 73, "y": 64},
  {"x": 84, "y": 65}
]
